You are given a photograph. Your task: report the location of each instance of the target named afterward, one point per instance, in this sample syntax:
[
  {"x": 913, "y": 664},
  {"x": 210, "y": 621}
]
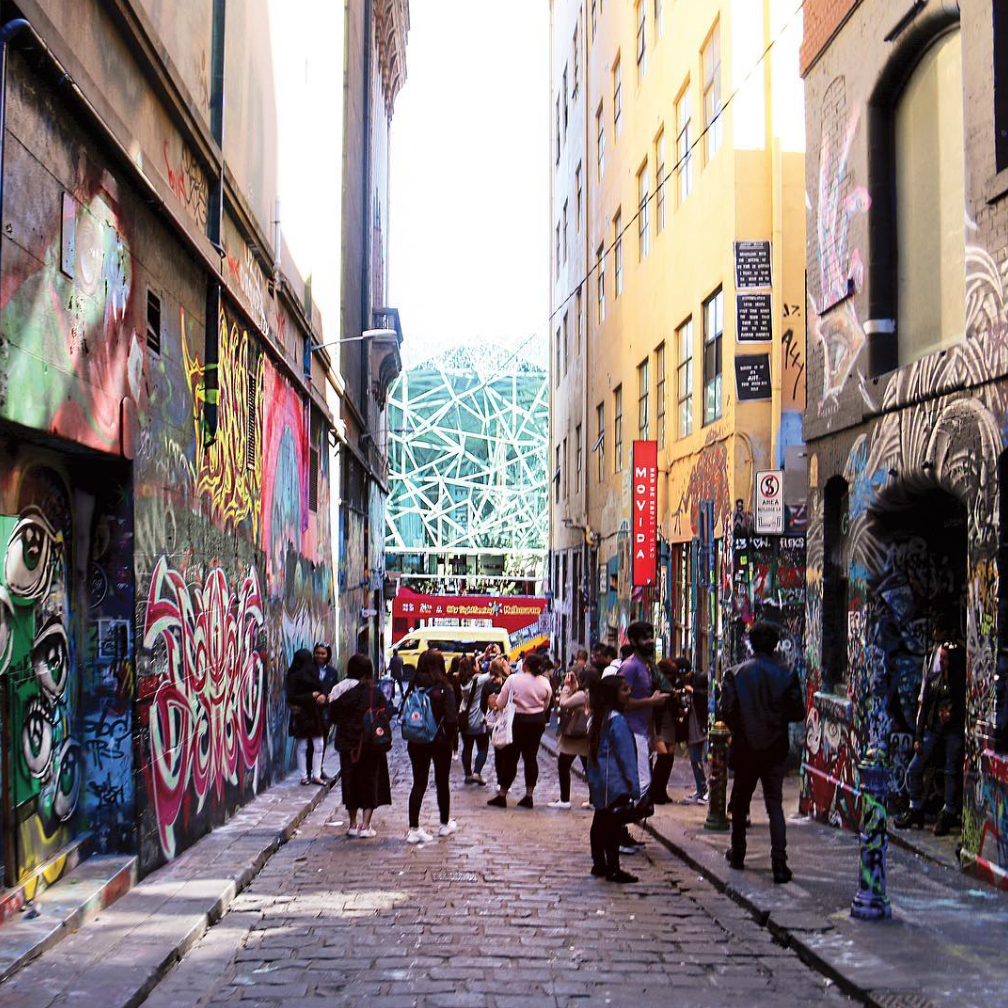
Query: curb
[{"x": 784, "y": 935}]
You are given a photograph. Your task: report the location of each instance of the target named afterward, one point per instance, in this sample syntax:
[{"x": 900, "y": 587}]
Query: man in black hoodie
[{"x": 758, "y": 701}]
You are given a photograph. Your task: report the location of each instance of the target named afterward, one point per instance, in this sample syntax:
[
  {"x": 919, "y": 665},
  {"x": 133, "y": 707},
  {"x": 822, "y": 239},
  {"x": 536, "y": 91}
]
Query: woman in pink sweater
[{"x": 532, "y": 694}]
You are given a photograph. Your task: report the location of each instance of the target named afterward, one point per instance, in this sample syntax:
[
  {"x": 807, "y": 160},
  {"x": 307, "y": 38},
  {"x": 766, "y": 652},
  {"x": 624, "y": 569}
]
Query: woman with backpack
[
  {"x": 573, "y": 738},
  {"x": 472, "y": 722},
  {"x": 360, "y": 715},
  {"x": 306, "y": 704},
  {"x": 430, "y": 727},
  {"x": 613, "y": 781},
  {"x": 531, "y": 695}
]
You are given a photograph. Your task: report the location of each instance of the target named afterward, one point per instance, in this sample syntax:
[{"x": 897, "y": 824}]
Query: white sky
[{"x": 469, "y": 202}]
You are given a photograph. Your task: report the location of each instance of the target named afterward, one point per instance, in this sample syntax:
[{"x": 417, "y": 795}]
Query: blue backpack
[{"x": 418, "y": 724}]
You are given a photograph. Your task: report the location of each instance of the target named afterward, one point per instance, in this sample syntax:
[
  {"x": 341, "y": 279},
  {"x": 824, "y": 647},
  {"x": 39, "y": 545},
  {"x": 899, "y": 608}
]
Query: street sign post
[{"x": 769, "y": 509}]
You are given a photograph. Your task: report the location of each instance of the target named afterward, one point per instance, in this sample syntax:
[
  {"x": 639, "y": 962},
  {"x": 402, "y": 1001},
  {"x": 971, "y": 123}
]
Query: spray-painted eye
[
  {"x": 51, "y": 657},
  {"x": 37, "y": 738},
  {"x": 27, "y": 567},
  {"x": 68, "y": 779},
  {"x": 6, "y": 629}
]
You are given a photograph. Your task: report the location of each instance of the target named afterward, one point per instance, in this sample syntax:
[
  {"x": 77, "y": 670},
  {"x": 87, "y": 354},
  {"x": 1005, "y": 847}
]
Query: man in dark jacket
[{"x": 758, "y": 701}]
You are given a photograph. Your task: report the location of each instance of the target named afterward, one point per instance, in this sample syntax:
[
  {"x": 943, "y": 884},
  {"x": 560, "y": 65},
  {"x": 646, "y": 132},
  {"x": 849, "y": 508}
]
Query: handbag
[
  {"x": 626, "y": 810},
  {"x": 503, "y": 729},
  {"x": 574, "y": 723}
]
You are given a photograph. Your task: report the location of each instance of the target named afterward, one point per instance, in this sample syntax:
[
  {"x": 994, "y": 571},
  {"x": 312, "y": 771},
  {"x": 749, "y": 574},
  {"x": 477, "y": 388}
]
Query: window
[
  {"x": 1001, "y": 84},
  {"x": 600, "y": 139},
  {"x": 566, "y": 470},
  {"x": 566, "y": 348},
  {"x": 618, "y": 427},
  {"x": 600, "y": 440},
  {"x": 641, "y": 38},
  {"x": 565, "y": 231},
  {"x": 578, "y": 318},
  {"x": 617, "y": 97},
  {"x": 600, "y": 282},
  {"x": 659, "y": 17},
  {"x": 558, "y": 129},
  {"x": 643, "y": 213},
  {"x": 930, "y": 196},
  {"x": 565, "y": 103},
  {"x": 643, "y": 410},
  {"x": 684, "y": 378},
  {"x": 659, "y": 356},
  {"x": 313, "y": 477},
  {"x": 618, "y": 253},
  {"x": 556, "y": 376},
  {"x": 711, "y": 60},
  {"x": 659, "y": 150},
  {"x": 153, "y": 322},
  {"x": 594, "y": 16},
  {"x": 557, "y": 251},
  {"x": 684, "y": 139},
  {"x": 578, "y": 458},
  {"x": 556, "y": 478},
  {"x": 577, "y": 199},
  {"x": 576, "y": 55},
  {"x": 713, "y": 327}
]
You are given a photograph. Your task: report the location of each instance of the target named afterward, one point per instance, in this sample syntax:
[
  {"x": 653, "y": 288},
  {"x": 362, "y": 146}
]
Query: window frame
[
  {"x": 660, "y": 367},
  {"x": 684, "y": 142},
  {"x": 618, "y": 253},
  {"x": 641, "y": 46},
  {"x": 643, "y": 399},
  {"x": 684, "y": 378},
  {"x": 711, "y": 80},
  {"x": 600, "y": 282},
  {"x": 713, "y": 382},
  {"x": 600, "y": 139},
  {"x": 579, "y": 458},
  {"x": 660, "y": 151},
  {"x": 643, "y": 211},
  {"x": 618, "y": 428},
  {"x": 600, "y": 420},
  {"x": 617, "y": 85},
  {"x": 578, "y": 316}
]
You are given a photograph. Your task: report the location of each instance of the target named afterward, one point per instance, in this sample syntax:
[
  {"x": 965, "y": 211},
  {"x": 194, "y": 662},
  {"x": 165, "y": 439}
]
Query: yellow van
[{"x": 450, "y": 641}]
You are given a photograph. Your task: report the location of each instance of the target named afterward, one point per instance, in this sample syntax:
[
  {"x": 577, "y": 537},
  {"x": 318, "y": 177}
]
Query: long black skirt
[{"x": 365, "y": 783}]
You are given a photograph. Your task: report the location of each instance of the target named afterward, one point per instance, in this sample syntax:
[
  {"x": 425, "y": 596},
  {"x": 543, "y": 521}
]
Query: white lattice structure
[{"x": 468, "y": 435}]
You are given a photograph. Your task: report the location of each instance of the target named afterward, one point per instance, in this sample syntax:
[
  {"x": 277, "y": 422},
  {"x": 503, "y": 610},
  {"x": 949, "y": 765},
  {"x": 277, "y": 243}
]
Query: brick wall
[{"x": 822, "y": 19}]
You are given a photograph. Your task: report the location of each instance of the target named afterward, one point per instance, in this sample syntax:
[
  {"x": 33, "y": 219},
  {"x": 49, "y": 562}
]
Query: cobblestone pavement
[{"x": 503, "y": 912}]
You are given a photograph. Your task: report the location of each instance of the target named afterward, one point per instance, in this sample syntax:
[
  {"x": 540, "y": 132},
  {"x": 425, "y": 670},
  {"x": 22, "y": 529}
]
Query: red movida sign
[{"x": 644, "y": 508}]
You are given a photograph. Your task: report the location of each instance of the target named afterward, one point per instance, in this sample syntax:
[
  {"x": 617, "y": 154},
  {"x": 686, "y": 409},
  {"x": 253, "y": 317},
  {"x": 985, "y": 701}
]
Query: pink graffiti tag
[{"x": 207, "y": 709}]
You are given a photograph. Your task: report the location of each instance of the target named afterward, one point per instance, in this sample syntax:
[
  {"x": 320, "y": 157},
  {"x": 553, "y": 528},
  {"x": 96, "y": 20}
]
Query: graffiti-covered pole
[{"x": 870, "y": 901}]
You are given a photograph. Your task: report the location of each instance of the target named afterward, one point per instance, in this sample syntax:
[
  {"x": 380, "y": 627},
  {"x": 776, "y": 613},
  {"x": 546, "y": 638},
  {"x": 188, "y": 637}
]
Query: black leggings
[
  {"x": 526, "y": 733},
  {"x": 606, "y": 836},
  {"x": 564, "y": 764},
  {"x": 421, "y": 755},
  {"x": 482, "y": 743}
]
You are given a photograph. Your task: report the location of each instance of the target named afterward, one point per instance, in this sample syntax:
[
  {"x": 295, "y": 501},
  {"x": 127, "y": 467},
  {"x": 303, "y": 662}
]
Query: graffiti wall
[
  {"x": 164, "y": 515},
  {"x": 917, "y": 451}
]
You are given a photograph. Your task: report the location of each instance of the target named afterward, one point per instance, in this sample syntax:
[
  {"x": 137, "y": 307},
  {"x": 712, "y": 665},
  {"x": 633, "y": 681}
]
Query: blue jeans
[
  {"x": 696, "y": 756},
  {"x": 953, "y": 770}
]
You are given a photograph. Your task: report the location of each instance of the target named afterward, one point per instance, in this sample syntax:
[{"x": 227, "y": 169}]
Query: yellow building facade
[{"x": 677, "y": 133}]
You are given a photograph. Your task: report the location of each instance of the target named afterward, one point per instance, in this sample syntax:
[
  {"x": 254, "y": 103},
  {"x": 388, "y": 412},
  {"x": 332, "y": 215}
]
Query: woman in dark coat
[
  {"x": 306, "y": 703},
  {"x": 363, "y": 767}
]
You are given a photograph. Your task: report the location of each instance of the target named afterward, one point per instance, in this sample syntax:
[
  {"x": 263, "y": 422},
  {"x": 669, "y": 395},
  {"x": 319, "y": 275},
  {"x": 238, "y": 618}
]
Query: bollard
[
  {"x": 717, "y": 786},
  {"x": 870, "y": 901}
]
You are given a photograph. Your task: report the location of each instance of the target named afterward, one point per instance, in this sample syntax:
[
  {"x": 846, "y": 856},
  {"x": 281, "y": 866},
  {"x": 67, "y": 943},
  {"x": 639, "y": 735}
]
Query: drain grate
[
  {"x": 455, "y": 876},
  {"x": 902, "y": 999}
]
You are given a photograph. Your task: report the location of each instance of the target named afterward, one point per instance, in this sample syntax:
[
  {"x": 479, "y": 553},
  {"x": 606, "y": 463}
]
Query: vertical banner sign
[{"x": 644, "y": 505}]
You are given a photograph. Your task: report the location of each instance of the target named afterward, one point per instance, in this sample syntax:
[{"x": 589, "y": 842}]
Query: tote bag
[{"x": 503, "y": 729}]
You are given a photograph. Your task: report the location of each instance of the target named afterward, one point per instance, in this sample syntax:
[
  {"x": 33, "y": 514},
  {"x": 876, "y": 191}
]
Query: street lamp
[{"x": 367, "y": 334}]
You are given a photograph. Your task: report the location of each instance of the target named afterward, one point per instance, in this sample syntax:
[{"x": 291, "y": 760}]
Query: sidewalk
[
  {"x": 118, "y": 958},
  {"x": 944, "y": 944}
]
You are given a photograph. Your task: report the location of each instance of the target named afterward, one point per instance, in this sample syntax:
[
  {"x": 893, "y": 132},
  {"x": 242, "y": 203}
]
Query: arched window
[{"x": 930, "y": 203}]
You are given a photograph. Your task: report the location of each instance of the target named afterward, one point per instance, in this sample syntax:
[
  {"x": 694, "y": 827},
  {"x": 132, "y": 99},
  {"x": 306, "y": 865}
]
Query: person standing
[
  {"x": 572, "y": 742},
  {"x": 306, "y": 702},
  {"x": 364, "y": 775},
  {"x": 431, "y": 677},
  {"x": 941, "y": 721},
  {"x": 644, "y": 698},
  {"x": 472, "y": 722},
  {"x": 396, "y": 671},
  {"x": 532, "y": 694},
  {"x": 759, "y": 699},
  {"x": 328, "y": 676},
  {"x": 612, "y": 774}
]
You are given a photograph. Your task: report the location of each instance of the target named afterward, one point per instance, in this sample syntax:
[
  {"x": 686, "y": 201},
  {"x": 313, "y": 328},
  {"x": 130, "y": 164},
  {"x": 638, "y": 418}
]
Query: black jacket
[
  {"x": 758, "y": 700},
  {"x": 306, "y": 714},
  {"x": 347, "y": 712},
  {"x": 943, "y": 694}
]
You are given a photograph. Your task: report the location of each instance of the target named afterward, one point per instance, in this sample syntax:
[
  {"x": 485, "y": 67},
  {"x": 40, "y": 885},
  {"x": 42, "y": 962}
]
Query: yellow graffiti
[{"x": 229, "y": 464}]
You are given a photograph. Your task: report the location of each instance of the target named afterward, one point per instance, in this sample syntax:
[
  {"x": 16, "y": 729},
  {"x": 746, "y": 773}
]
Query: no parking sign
[{"x": 769, "y": 501}]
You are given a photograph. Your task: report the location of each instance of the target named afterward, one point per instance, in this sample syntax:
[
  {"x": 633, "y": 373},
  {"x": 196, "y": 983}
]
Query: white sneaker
[
  {"x": 366, "y": 834},
  {"x": 415, "y": 836},
  {"x": 447, "y": 828},
  {"x": 587, "y": 804},
  {"x": 353, "y": 832},
  {"x": 559, "y": 804}
]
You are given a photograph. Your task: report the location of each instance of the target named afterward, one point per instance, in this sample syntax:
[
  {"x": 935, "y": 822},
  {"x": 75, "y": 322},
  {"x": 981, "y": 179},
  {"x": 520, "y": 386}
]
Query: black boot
[
  {"x": 735, "y": 860},
  {"x": 913, "y": 817},
  {"x": 659, "y": 778},
  {"x": 946, "y": 820},
  {"x": 781, "y": 873}
]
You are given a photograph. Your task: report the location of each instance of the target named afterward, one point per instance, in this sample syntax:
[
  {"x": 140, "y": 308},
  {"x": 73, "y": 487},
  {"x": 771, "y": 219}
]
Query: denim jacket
[{"x": 614, "y": 772}]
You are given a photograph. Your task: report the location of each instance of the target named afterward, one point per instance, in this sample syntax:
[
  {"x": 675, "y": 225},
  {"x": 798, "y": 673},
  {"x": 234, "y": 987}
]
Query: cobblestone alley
[{"x": 503, "y": 912}]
